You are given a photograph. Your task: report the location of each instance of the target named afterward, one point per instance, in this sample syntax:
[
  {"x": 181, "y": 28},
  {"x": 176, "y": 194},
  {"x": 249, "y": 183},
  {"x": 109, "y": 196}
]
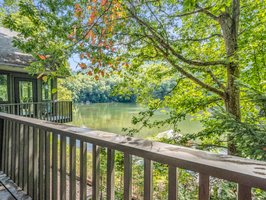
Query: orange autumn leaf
[
  {"x": 96, "y": 78},
  {"x": 90, "y": 73},
  {"x": 82, "y": 56},
  {"x": 102, "y": 73},
  {"x": 42, "y": 57},
  {"x": 92, "y": 17},
  {"x": 103, "y": 2},
  {"x": 83, "y": 65}
]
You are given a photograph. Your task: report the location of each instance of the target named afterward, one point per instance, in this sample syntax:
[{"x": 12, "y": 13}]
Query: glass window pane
[
  {"x": 3, "y": 88},
  {"x": 25, "y": 91},
  {"x": 46, "y": 90}
]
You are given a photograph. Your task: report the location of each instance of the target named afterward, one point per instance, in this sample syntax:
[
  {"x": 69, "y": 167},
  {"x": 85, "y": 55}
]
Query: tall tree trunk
[{"x": 229, "y": 25}]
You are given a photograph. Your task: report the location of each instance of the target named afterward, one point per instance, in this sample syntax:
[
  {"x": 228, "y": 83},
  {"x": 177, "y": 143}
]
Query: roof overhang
[{"x": 12, "y": 68}]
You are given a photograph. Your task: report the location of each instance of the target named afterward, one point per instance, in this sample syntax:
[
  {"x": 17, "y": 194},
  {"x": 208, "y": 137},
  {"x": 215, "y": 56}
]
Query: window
[
  {"x": 3, "y": 88},
  {"x": 25, "y": 91},
  {"x": 46, "y": 91}
]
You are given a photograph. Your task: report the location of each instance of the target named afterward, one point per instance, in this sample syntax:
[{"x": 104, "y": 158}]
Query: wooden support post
[
  {"x": 148, "y": 187},
  {"x": 110, "y": 174},
  {"x": 204, "y": 187},
  {"x": 41, "y": 164},
  {"x": 35, "y": 163},
  {"x": 54, "y": 166},
  {"x": 62, "y": 167},
  {"x": 96, "y": 172},
  {"x": 47, "y": 166},
  {"x": 243, "y": 192},
  {"x": 127, "y": 177},
  {"x": 83, "y": 170},
  {"x": 172, "y": 183},
  {"x": 26, "y": 159},
  {"x": 72, "y": 189}
]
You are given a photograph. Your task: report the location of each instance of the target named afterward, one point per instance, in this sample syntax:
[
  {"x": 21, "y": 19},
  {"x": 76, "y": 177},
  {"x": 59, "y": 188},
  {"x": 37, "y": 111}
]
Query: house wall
[{"x": 11, "y": 75}]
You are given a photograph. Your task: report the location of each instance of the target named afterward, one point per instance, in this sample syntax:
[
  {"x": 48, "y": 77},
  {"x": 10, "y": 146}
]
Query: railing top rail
[
  {"x": 33, "y": 102},
  {"x": 240, "y": 170}
]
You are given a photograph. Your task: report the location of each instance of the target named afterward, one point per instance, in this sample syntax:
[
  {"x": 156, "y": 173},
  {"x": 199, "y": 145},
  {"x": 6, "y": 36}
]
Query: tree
[
  {"x": 198, "y": 39},
  {"x": 205, "y": 45}
]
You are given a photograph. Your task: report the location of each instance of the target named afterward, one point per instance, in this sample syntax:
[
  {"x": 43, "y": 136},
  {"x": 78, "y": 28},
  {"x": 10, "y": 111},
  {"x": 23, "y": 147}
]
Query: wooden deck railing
[
  {"x": 30, "y": 148},
  {"x": 55, "y": 111}
]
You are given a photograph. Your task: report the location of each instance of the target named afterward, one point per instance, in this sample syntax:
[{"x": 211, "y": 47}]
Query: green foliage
[
  {"x": 178, "y": 61},
  {"x": 84, "y": 88},
  {"x": 43, "y": 27}
]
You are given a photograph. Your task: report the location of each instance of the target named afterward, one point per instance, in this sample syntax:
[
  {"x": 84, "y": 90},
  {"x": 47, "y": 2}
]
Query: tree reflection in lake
[{"x": 112, "y": 117}]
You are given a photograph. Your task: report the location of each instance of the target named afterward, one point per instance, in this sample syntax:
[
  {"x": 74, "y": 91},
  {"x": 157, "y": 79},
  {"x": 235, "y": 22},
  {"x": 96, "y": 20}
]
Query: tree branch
[
  {"x": 214, "y": 78},
  {"x": 208, "y": 13},
  {"x": 201, "y": 39},
  {"x": 187, "y": 74},
  {"x": 168, "y": 47}
]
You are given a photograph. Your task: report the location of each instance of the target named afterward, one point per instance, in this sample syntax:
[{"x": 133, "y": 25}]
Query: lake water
[{"x": 112, "y": 117}]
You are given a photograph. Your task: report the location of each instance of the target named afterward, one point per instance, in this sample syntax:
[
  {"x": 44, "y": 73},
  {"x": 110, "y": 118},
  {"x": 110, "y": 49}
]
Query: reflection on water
[{"x": 112, "y": 117}]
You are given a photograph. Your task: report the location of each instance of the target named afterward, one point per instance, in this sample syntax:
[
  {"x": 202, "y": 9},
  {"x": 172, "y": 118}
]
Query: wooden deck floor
[
  {"x": 5, "y": 194},
  {"x": 9, "y": 190}
]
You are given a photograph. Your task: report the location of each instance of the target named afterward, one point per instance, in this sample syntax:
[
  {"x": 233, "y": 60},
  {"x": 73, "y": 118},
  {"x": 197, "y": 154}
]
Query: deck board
[
  {"x": 5, "y": 194},
  {"x": 11, "y": 187}
]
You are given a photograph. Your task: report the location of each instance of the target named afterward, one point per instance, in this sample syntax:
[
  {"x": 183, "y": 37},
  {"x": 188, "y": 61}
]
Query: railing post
[
  {"x": 127, "y": 176},
  {"x": 172, "y": 183},
  {"x": 1, "y": 142},
  {"x": 204, "y": 187},
  {"x": 148, "y": 187},
  {"x": 95, "y": 172},
  {"x": 244, "y": 192}
]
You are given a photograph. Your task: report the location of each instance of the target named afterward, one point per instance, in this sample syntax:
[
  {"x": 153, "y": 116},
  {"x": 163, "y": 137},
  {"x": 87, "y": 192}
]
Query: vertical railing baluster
[
  {"x": 61, "y": 112},
  {"x": 4, "y": 145},
  {"x": 47, "y": 166},
  {"x": 95, "y": 172},
  {"x": 110, "y": 174},
  {"x": 83, "y": 170},
  {"x": 148, "y": 188},
  {"x": 204, "y": 186},
  {"x": 127, "y": 177},
  {"x": 13, "y": 152},
  {"x": 26, "y": 158},
  {"x": 34, "y": 110},
  {"x": 54, "y": 110},
  {"x": 29, "y": 106},
  {"x": 9, "y": 148},
  {"x": 35, "y": 162},
  {"x": 17, "y": 147},
  {"x": 243, "y": 192},
  {"x": 72, "y": 188},
  {"x": 47, "y": 111},
  {"x": 21, "y": 152},
  {"x": 41, "y": 163},
  {"x": 71, "y": 111},
  {"x": 31, "y": 163},
  {"x": 62, "y": 167},
  {"x": 54, "y": 166},
  {"x": 172, "y": 183}
]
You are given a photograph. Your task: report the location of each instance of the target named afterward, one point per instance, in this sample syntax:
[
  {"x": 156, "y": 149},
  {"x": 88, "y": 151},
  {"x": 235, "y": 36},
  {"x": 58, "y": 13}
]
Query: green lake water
[{"x": 112, "y": 117}]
